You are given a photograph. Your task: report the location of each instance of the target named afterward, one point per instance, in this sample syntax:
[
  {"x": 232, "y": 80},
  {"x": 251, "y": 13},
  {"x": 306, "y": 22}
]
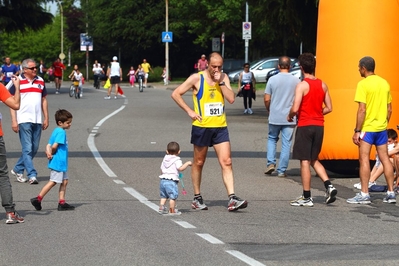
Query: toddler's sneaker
[
  {"x": 198, "y": 203},
  {"x": 236, "y": 203},
  {"x": 174, "y": 212},
  {"x": 162, "y": 209}
]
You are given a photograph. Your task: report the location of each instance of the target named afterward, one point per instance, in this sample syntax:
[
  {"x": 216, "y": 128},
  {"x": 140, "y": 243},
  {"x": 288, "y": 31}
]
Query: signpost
[
  {"x": 222, "y": 40},
  {"x": 215, "y": 44}
]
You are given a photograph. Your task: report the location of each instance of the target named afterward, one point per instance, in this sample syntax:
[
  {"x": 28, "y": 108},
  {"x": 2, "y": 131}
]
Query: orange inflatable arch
[{"x": 347, "y": 31}]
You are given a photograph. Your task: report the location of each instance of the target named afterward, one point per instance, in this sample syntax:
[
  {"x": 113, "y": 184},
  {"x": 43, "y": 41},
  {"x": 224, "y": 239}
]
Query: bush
[{"x": 157, "y": 75}]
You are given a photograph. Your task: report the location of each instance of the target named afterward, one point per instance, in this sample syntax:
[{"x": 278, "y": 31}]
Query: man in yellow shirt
[
  {"x": 146, "y": 67},
  {"x": 209, "y": 128}
]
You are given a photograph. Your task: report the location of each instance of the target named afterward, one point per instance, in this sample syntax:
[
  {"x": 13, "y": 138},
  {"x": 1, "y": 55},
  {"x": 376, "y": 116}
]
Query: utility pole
[
  {"x": 246, "y": 40},
  {"x": 167, "y": 43}
]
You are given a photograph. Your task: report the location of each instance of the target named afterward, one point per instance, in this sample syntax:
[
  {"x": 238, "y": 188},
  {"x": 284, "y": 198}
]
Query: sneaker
[
  {"x": 246, "y": 111},
  {"x": 20, "y": 177},
  {"x": 282, "y": 174},
  {"x": 107, "y": 97},
  {"x": 36, "y": 203},
  {"x": 359, "y": 199},
  {"x": 331, "y": 192},
  {"x": 250, "y": 111},
  {"x": 162, "y": 209},
  {"x": 81, "y": 95},
  {"x": 301, "y": 201},
  {"x": 65, "y": 207},
  {"x": 115, "y": 97},
  {"x": 173, "y": 212},
  {"x": 236, "y": 203},
  {"x": 270, "y": 169},
  {"x": 13, "y": 218},
  {"x": 198, "y": 203},
  {"x": 33, "y": 181},
  {"x": 359, "y": 185},
  {"x": 390, "y": 198},
  {"x": 57, "y": 92}
]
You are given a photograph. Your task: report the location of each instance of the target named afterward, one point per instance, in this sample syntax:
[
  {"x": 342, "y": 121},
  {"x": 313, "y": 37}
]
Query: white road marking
[
  {"x": 184, "y": 224},
  {"x": 244, "y": 258},
  {"x": 211, "y": 239},
  {"x": 141, "y": 198},
  {"x": 119, "y": 182}
]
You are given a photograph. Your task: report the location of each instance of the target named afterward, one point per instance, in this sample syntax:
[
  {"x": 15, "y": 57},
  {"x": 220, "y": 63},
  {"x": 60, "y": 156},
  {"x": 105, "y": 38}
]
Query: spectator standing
[
  {"x": 312, "y": 102},
  {"x": 147, "y": 68},
  {"x": 373, "y": 95},
  {"x": 42, "y": 69},
  {"x": 7, "y": 200},
  {"x": 9, "y": 70},
  {"x": 171, "y": 166},
  {"x": 279, "y": 95},
  {"x": 209, "y": 127},
  {"x": 57, "y": 154},
  {"x": 58, "y": 73},
  {"x": 247, "y": 86},
  {"x": 114, "y": 73},
  {"x": 97, "y": 72},
  {"x": 202, "y": 63},
  {"x": 28, "y": 121}
]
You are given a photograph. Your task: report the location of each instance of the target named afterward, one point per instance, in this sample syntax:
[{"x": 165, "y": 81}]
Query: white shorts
[
  {"x": 58, "y": 177},
  {"x": 146, "y": 75}
]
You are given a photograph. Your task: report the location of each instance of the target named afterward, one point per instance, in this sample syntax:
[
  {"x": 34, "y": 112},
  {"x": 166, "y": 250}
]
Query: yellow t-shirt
[
  {"x": 209, "y": 104},
  {"x": 146, "y": 67},
  {"x": 375, "y": 92}
]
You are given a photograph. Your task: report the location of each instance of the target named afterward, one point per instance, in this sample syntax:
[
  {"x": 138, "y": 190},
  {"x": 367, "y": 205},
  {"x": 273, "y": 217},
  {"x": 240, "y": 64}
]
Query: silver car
[{"x": 260, "y": 68}]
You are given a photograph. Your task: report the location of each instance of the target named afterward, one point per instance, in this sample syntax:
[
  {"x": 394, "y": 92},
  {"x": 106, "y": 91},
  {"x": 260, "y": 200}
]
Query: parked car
[
  {"x": 232, "y": 64},
  {"x": 257, "y": 67},
  {"x": 295, "y": 70}
]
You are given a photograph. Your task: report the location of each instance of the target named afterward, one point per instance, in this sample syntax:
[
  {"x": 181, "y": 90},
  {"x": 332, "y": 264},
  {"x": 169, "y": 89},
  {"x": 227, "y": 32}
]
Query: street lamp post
[{"x": 62, "y": 55}]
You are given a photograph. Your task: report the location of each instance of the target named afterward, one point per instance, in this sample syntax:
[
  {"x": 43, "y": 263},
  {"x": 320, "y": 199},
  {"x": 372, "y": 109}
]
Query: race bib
[
  {"x": 213, "y": 109},
  {"x": 9, "y": 74}
]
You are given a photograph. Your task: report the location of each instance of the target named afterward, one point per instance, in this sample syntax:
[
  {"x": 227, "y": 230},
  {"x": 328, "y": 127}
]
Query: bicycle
[
  {"x": 140, "y": 80},
  {"x": 74, "y": 90}
]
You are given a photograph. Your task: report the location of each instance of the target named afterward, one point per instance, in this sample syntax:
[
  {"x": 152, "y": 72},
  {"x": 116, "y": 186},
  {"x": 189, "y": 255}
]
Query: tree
[{"x": 22, "y": 15}]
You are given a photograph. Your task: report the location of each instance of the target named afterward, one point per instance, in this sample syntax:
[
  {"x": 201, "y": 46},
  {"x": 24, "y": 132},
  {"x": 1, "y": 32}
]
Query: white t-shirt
[{"x": 115, "y": 69}]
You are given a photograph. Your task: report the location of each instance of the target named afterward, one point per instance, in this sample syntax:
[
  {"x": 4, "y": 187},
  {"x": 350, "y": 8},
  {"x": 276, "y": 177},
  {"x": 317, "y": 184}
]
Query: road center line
[{"x": 244, "y": 258}]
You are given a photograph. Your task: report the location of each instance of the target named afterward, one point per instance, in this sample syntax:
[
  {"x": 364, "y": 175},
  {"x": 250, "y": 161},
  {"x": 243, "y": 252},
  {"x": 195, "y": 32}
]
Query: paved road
[{"x": 116, "y": 147}]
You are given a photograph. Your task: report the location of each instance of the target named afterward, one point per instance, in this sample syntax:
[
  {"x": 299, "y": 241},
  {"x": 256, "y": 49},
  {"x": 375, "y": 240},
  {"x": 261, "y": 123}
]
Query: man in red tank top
[{"x": 311, "y": 102}]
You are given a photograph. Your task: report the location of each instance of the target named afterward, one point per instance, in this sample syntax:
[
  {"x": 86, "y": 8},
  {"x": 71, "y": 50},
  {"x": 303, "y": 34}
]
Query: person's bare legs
[
  {"x": 376, "y": 172},
  {"x": 305, "y": 174},
  {"x": 223, "y": 153},
  {"x": 382, "y": 152},
  {"x": 46, "y": 188},
  {"x": 61, "y": 193},
  {"x": 320, "y": 170},
  {"x": 364, "y": 161},
  {"x": 196, "y": 168}
]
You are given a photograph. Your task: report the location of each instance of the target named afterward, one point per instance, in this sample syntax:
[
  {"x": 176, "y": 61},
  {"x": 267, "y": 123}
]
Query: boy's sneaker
[
  {"x": 13, "y": 218},
  {"x": 162, "y": 209},
  {"x": 390, "y": 198},
  {"x": 36, "y": 203},
  {"x": 359, "y": 199},
  {"x": 33, "y": 181},
  {"x": 270, "y": 169},
  {"x": 236, "y": 203},
  {"x": 198, "y": 203},
  {"x": 359, "y": 185},
  {"x": 107, "y": 97},
  {"x": 20, "y": 177},
  {"x": 301, "y": 201},
  {"x": 331, "y": 192},
  {"x": 65, "y": 207}
]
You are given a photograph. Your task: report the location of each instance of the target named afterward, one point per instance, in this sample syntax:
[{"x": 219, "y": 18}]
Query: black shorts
[
  {"x": 57, "y": 77},
  {"x": 308, "y": 142},
  {"x": 115, "y": 79},
  {"x": 207, "y": 137}
]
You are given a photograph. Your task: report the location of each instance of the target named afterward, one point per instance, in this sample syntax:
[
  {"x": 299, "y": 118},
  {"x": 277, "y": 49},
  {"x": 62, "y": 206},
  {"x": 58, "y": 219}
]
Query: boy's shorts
[
  {"x": 168, "y": 189},
  {"x": 308, "y": 142},
  {"x": 58, "y": 177},
  {"x": 207, "y": 137},
  {"x": 115, "y": 80},
  {"x": 375, "y": 138}
]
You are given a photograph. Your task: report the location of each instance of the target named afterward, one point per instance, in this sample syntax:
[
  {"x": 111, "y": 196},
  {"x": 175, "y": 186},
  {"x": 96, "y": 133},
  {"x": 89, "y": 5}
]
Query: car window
[{"x": 269, "y": 64}]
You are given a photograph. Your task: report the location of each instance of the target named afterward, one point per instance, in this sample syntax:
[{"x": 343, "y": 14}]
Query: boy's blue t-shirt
[{"x": 59, "y": 162}]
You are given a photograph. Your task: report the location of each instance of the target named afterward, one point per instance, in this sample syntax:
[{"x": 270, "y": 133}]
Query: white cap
[{"x": 115, "y": 58}]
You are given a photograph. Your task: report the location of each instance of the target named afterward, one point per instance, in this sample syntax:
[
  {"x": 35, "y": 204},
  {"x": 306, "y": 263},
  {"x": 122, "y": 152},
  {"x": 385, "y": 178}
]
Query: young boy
[
  {"x": 378, "y": 169},
  {"x": 57, "y": 153},
  {"x": 170, "y": 167}
]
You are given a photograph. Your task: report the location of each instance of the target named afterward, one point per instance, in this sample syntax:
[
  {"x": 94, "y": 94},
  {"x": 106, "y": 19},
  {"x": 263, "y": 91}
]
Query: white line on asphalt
[
  {"x": 119, "y": 182},
  {"x": 184, "y": 224},
  {"x": 244, "y": 258},
  {"x": 211, "y": 239},
  {"x": 141, "y": 198}
]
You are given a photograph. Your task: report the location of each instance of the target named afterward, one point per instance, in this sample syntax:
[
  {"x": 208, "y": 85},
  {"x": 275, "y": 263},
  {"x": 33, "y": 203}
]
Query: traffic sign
[
  {"x": 222, "y": 38},
  {"x": 167, "y": 36},
  {"x": 246, "y": 30}
]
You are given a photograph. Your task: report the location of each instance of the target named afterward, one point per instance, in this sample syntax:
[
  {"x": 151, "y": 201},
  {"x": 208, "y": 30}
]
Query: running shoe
[
  {"x": 301, "y": 201},
  {"x": 250, "y": 111},
  {"x": 65, "y": 207},
  {"x": 236, "y": 203},
  {"x": 331, "y": 192},
  {"x": 359, "y": 199},
  {"x": 246, "y": 111},
  {"x": 198, "y": 203},
  {"x": 33, "y": 181},
  {"x": 20, "y": 177},
  {"x": 36, "y": 203},
  {"x": 107, "y": 97},
  {"x": 13, "y": 218},
  {"x": 390, "y": 198}
]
